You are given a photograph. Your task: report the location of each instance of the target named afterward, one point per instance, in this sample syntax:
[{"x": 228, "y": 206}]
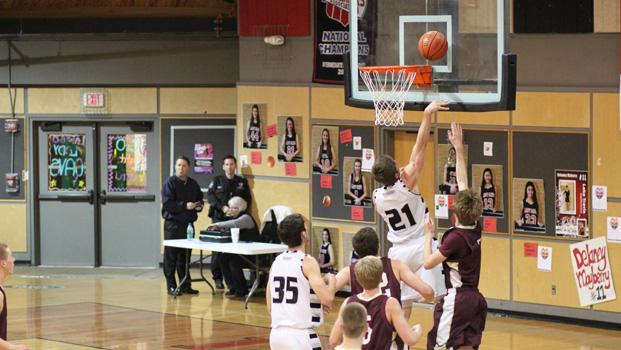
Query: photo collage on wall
[
  {"x": 342, "y": 158},
  {"x": 259, "y": 128}
]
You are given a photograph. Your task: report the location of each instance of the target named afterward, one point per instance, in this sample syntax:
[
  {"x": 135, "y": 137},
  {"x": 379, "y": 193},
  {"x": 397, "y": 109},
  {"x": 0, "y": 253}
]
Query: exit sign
[{"x": 93, "y": 99}]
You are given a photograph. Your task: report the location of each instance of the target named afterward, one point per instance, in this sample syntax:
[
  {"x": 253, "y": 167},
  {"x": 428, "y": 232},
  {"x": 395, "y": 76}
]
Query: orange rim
[
  {"x": 423, "y": 77},
  {"x": 409, "y": 69}
]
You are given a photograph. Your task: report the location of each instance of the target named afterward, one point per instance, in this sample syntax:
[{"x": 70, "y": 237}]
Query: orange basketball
[
  {"x": 270, "y": 161},
  {"x": 326, "y": 201},
  {"x": 432, "y": 45}
]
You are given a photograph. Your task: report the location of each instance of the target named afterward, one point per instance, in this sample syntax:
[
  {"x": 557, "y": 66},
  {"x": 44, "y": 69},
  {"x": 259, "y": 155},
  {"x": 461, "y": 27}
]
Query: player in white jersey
[
  {"x": 404, "y": 211},
  {"x": 296, "y": 291}
]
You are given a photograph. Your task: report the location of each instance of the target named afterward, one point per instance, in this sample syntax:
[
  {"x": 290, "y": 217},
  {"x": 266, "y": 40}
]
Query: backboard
[{"x": 476, "y": 74}]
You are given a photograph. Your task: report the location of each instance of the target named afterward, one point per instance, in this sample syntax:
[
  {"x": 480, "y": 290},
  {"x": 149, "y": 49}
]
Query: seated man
[{"x": 233, "y": 264}]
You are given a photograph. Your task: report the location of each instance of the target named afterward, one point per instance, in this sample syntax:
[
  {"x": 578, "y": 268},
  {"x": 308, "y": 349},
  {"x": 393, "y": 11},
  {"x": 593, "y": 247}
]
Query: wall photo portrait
[
  {"x": 325, "y": 243},
  {"x": 487, "y": 180},
  {"x": 447, "y": 172},
  {"x": 290, "y": 134},
  {"x": 357, "y": 188},
  {"x": 255, "y": 119},
  {"x": 325, "y": 141},
  {"x": 529, "y": 205}
]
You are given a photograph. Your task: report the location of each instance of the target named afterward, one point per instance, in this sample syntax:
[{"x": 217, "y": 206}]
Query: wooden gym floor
[{"x": 61, "y": 308}]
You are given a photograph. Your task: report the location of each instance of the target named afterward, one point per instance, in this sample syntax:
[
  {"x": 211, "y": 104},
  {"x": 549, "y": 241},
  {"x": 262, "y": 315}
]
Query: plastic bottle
[{"x": 190, "y": 231}]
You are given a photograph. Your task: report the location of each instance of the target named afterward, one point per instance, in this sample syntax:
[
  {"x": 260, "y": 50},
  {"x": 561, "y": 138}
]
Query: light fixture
[{"x": 274, "y": 40}]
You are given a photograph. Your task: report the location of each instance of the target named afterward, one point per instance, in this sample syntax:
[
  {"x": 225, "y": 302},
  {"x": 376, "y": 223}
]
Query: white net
[{"x": 388, "y": 89}]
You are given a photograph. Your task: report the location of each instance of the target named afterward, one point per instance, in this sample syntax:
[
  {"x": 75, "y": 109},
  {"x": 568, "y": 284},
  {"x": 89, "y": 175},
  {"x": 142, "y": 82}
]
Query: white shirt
[
  {"x": 403, "y": 211},
  {"x": 294, "y": 303}
]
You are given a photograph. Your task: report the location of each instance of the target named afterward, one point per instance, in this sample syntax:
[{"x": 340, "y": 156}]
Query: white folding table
[{"x": 244, "y": 249}]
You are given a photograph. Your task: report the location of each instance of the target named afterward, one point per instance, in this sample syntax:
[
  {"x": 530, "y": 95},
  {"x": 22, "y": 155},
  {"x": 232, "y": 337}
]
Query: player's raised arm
[
  {"x": 409, "y": 173},
  {"x": 407, "y": 276},
  {"x": 336, "y": 335},
  {"x": 410, "y": 336},
  {"x": 324, "y": 292},
  {"x": 456, "y": 137},
  {"x": 435, "y": 258},
  {"x": 342, "y": 278}
]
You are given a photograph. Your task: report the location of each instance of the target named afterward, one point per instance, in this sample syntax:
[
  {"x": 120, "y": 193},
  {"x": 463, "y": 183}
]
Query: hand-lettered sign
[
  {"x": 127, "y": 162},
  {"x": 66, "y": 162},
  {"x": 592, "y": 271}
]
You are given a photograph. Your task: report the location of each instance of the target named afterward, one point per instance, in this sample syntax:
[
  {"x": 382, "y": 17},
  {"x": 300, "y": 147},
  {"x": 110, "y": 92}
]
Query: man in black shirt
[
  {"x": 182, "y": 198},
  {"x": 221, "y": 189}
]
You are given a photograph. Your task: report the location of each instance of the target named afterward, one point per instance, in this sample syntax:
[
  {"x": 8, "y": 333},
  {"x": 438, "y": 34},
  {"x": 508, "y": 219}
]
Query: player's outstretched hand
[
  {"x": 430, "y": 227},
  {"x": 418, "y": 330},
  {"x": 456, "y": 135},
  {"x": 437, "y": 105}
]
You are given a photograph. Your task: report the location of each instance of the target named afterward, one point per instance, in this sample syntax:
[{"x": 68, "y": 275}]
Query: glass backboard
[{"x": 476, "y": 74}]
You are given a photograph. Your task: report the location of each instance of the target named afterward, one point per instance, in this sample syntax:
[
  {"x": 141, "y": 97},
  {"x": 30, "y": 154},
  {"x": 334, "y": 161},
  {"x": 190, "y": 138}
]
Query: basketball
[
  {"x": 432, "y": 45},
  {"x": 326, "y": 201}
]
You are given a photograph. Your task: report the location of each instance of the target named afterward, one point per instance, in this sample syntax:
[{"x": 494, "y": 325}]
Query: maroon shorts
[{"x": 458, "y": 319}]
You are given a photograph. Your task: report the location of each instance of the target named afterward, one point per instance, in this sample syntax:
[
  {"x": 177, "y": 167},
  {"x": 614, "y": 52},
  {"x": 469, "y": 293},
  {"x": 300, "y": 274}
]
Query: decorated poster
[
  {"x": 600, "y": 198},
  {"x": 368, "y": 158},
  {"x": 203, "y": 158},
  {"x": 357, "y": 143},
  {"x": 592, "y": 273},
  {"x": 544, "y": 259},
  {"x": 66, "y": 170},
  {"x": 613, "y": 229},
  {"x": 127, "y": 162},
  {"x": 572, "y": 203}
]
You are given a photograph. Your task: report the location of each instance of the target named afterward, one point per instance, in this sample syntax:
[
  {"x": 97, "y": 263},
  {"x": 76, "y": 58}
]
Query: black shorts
[{"x": 458, "y": 319}]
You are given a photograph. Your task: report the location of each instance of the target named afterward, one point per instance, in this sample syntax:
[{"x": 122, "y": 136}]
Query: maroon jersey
[
  {"x": 3, "y": 316},
  {"x": 389, "y": 286},
  {"x": 380, "y": 333},
  {"x": 462, "y": 249}
]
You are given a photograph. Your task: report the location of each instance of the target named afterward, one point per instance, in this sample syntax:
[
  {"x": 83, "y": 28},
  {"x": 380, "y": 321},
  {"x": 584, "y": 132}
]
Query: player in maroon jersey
[
  {"x": 459, "y": 317},
  {"x": 385, "y": 316},
  {"x": 354, "y": 324},
  {"x": 365, "y": 243}
]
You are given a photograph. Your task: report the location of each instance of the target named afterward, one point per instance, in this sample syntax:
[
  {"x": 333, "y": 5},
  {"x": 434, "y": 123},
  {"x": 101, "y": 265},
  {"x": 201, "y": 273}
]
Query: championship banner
[
  {"x": 592, "y": 271},
  {"x": 572, "y": 203},
  {"x": 332, "y": 37}
]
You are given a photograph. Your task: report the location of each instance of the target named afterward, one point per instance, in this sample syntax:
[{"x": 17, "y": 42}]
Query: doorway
[{"x": 97, "y": 186}]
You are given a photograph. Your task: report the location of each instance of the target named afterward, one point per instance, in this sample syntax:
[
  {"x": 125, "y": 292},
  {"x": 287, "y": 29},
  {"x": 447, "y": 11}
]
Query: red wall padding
[{"x": 269, "y": 17}]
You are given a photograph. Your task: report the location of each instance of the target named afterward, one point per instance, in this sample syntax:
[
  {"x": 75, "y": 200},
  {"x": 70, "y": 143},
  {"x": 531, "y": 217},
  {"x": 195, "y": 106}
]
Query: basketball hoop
[{"x": 388, "y": 86}]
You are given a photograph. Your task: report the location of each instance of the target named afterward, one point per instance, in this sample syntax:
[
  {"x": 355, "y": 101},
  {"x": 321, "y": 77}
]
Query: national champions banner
[{"x": 332, "y": 37}]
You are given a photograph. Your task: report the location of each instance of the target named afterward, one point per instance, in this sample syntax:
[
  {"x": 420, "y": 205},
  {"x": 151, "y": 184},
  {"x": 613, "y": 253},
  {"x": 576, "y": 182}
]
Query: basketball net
[{"x": 388, "y": 89}]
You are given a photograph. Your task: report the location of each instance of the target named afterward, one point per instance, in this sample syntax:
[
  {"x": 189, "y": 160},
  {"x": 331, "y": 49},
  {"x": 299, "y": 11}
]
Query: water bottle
[{"x": 190, "y": 231}]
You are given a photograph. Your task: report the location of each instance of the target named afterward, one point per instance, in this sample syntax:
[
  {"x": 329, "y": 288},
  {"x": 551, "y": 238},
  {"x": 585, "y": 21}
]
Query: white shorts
[
  {"x": 411, "y": 254},
  {"x": 285, "y": 338}
]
